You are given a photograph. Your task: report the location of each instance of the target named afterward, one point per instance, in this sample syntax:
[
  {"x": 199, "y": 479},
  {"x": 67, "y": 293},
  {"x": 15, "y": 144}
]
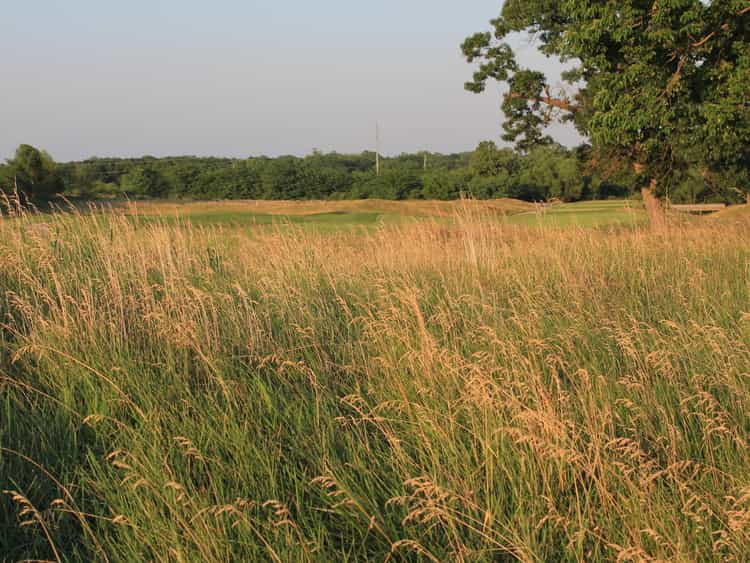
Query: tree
[
  {"x": 144, "y": 181},
  {"x": 6, "y": 178},
  {"x": 445, "y": 184},
  {"x": 323, "y": 176},
  {"x": 282, "y": 179},
  {"x": 550, "y": 172},
  {"x": 393, "y": 184},
  {"x": 498, "y": 185},
  {"x": 488, "y": 160},
  {"x": 35, "y": 173},
  {"x": 661, "y": 85}
]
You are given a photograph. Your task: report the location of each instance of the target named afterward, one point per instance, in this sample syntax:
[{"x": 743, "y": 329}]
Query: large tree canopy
[{"x": 658, "y": 85}]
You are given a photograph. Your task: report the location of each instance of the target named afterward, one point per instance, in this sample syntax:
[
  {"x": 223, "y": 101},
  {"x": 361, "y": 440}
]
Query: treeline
[{"x": 544, "y": 173}]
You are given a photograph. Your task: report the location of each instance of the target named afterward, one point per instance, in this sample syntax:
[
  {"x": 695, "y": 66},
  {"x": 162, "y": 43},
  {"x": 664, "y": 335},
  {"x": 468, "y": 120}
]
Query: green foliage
[
  {"x": 488, "y": 160},
  {"x": 34, "y": 172},
  {"x": 144, "y": 181},
  {"x": 445, "y": 185},
  {"x": 394, "y": 184},
  {"x": 488, "y": 187},
  {"x": 553, "y": 173},
  {"x": 544, "y": 172},
  {"x": 6, "y": 178},
  {"x": 661, "y": 86}
]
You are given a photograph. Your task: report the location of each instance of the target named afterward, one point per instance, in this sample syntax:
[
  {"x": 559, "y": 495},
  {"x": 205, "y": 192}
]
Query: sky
[{"x": 236, "y": 78}]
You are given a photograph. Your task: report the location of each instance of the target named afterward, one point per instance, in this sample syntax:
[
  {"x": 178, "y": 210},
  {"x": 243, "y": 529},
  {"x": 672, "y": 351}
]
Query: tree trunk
[
  {"x": 747, "y": 198},
  {"x": 656, "y": 216}
]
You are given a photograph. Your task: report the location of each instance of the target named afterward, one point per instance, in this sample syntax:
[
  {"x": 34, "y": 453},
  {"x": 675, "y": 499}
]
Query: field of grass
[
  {"x": 583, "y": 214},
  {"x": 322, "y": 216},
  {"x": 461, "y": 388},
  {"x": 332, "y": 216},
  {"x": 733, "y": 213}
]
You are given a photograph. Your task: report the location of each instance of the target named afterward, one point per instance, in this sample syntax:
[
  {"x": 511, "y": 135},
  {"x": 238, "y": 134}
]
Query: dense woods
[{"x": 542, "y": 173}]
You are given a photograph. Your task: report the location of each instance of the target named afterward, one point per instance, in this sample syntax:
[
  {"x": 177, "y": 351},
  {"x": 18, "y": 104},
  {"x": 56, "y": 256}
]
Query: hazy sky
[{"x": 241, "y": 77}]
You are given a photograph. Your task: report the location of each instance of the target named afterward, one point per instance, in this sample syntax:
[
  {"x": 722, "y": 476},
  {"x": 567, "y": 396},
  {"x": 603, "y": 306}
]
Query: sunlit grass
[
  {"x": 327, "y": 216},
  {"x": 434, "y": 390},
  {"x": 409, "y": 208},
  {"x": 584, "y": 214}
]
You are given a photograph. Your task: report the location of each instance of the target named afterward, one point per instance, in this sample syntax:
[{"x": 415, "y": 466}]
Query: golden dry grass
[
  {"x": 732, "y": 213},
  {"x": 470, "y": 391}
]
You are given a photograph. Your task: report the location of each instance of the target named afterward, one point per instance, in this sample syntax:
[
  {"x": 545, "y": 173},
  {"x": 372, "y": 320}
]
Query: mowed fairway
[
  {"x": 450, "y": 385},
  {"x": 369, "y": 214},
  {"x": 584, "y": 214}
]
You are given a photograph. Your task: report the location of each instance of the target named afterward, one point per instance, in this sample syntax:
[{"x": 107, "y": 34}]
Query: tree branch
[
  {"x": 560, "y": 103},
  {"x": 724, "y": 27},
  {"x": 676, "y": 76}
]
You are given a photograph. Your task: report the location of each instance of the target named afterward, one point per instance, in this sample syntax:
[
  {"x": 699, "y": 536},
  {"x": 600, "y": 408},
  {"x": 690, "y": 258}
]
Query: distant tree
[
  {"x": 6, "y": 178},
  {"x": 660, "y": 86},
  {"x": 282, "y": 179},
  {"x": 491, "y": 187},
  {"x": 550, "y": 172},
  {"x": 35, "y": 173},
  {"x": 144, "y": 181},
  {"x": 396, "y": 184},
  {"x": 401, "y": 184},
  {"x": 488, "y": 160},
  {"x": 729, "y": 184},
  {"x": 324, "y": 175},
  {"x": 488, "y": 172},
  {"x": 445, "y": 184}
]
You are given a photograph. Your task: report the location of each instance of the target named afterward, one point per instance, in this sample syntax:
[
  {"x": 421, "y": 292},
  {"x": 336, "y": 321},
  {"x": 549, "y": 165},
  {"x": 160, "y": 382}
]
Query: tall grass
[{"x": 468, "y": 392}]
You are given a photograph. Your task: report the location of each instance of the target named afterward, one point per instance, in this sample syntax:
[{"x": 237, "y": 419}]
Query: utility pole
[
  {"x": 425, "y": 161},
  {"x": 377, "y": 149}
]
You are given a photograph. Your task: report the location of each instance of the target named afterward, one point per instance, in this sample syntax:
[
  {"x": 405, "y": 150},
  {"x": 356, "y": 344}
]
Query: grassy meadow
[
  {"x": 368, "y": 215},
  {"x": 450, "y": 383},
  {"x": 321, "y": 216}
]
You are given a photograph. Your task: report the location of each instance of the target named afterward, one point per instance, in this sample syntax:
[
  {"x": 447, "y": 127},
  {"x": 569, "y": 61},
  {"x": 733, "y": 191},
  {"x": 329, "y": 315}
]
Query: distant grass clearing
[
  {"x": 335, "y": 215},
  {"x": 583, "y": 214}
]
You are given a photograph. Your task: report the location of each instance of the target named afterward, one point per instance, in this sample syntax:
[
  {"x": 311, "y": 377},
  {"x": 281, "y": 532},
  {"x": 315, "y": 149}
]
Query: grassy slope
[
  {"x": 305, "y": 207},
  {"x": 734, "y": 213},
  {"x": 469, "y": 390},
  {"x": 321, "y": 216},
  {"x": 330, "y": 216},
  {"x": 584, "y": 214}
]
